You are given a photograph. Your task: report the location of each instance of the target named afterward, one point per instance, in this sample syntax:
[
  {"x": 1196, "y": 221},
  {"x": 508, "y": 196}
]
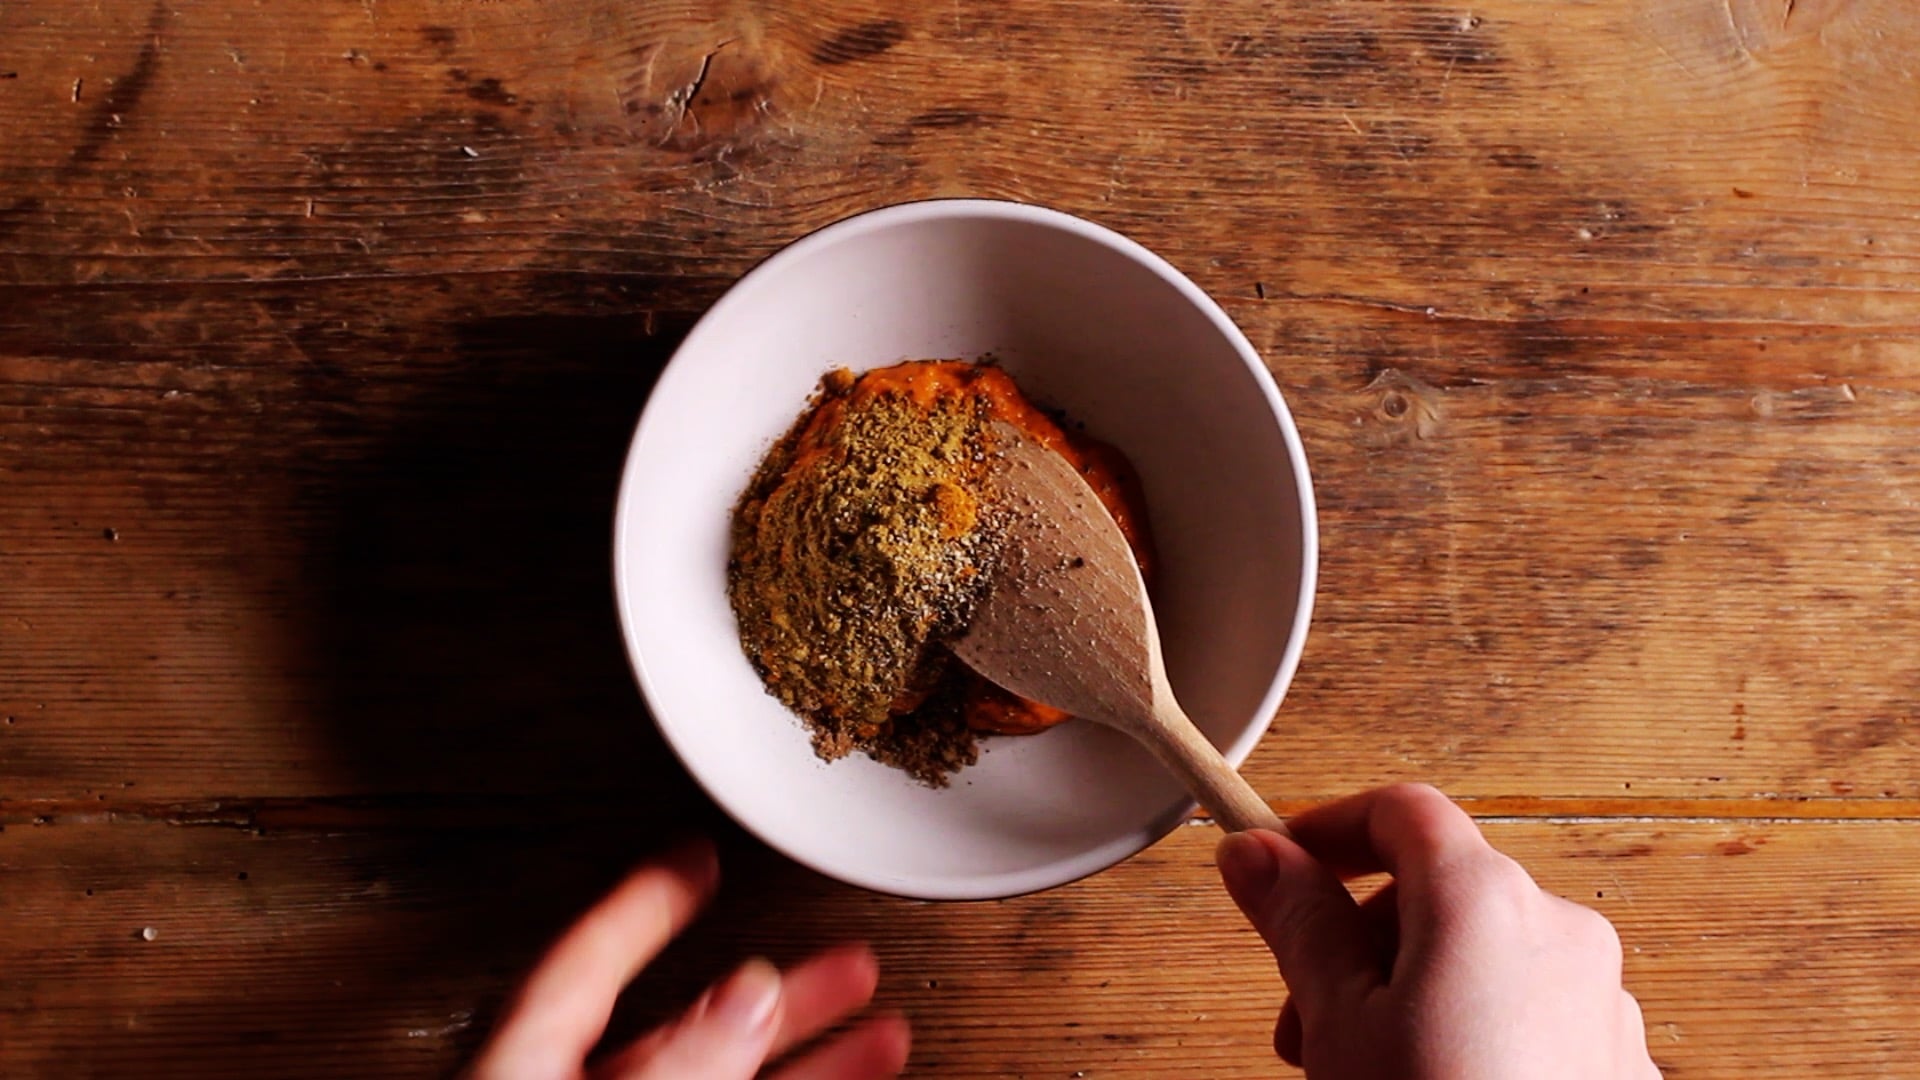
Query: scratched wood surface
[
  {"x": 323, "y": 327},
  {"x": 1757, "y": 948}
]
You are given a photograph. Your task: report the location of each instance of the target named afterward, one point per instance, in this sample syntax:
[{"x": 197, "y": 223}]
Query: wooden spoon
[{"x": 1066, "y": 622}]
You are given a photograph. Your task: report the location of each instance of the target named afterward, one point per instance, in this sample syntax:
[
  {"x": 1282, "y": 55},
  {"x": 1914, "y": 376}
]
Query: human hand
[
  {"x": 750, "y": 1018},
  {"x": 1461, "y": 968}
]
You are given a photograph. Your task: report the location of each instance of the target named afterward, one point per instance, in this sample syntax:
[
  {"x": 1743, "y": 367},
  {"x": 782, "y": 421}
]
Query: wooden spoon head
[{"x": 1066, "y": 621}]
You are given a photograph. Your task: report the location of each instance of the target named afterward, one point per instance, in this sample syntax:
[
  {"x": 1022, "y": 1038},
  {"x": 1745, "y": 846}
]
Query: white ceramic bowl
[{"x": 1086, "y": 321}]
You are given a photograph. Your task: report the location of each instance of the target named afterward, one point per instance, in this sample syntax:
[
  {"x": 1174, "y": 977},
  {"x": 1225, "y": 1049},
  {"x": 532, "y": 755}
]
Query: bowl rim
[{"x": 1060, "y": 872}]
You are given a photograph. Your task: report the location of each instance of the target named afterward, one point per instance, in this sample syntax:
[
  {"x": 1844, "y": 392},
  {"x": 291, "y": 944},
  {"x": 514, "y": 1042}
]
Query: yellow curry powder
[{"x": 862, "y": 544}]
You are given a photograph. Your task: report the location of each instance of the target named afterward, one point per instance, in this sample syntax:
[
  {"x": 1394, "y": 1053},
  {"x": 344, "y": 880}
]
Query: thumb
[
  {"x": 1305, "y": 915},
  {"x": 725, "y": 1036}
]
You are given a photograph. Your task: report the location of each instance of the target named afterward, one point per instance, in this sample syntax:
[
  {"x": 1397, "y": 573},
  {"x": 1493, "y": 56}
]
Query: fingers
[
  {"x": 875, "y": 1050},
  {"x": 563, "y": 1007},
  {"x": 1325, "y": 943},
  {"x": 727, "y": 1034},
  {"x": 1633, "y": 1023},
  {"x": 1593, "y": 934},
  {"x": 1378, "y": 913},
  {"x": 816, "y": 994},
  {"x": 754, "y": 1015},
  {"x": 1634, "y": 1036},
  {"x": 1404, "y": 830},
  {"x": 821, "y": 991},
  {"x": 1289, "y": 1038},
  {"x": 1305, "y": 915},
  {"x": 1381, "y": 912}
]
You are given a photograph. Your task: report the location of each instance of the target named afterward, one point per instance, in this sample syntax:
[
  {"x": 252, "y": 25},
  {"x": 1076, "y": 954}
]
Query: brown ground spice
[{"x": 859, "y": 548}]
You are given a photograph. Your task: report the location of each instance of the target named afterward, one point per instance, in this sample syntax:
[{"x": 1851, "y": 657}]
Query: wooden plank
[
  {"x": 1599, "y": 324},
  {"x": 355, "y": 813},
  {"x": 300, "y": 953},
  {"x": 1599, "y": 329},
  {"x": 355, "y": 543},
  {"x": 1691, "y": 159}
]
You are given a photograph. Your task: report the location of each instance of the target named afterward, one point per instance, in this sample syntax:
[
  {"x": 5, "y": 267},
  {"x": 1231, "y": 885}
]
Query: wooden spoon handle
[{"x": 1224, "y": 793}]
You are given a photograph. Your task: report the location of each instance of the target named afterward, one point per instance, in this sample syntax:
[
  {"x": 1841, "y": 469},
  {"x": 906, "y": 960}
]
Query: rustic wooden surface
[{"x": 323, "y": 326}]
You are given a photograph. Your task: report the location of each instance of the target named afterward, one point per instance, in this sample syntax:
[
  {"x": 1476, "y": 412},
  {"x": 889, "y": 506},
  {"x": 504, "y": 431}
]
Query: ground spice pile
[
  {"x": 863, "y": 543},
  {"x": 859, "y": 548}
]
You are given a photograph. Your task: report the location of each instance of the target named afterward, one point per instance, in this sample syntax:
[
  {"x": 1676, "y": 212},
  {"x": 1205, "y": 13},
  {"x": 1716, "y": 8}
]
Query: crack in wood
[{"x": 681, "y": 100}]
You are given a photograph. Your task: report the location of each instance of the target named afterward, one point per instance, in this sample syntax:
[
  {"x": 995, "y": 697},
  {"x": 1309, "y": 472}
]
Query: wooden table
[{"x": 324, "y": 327}]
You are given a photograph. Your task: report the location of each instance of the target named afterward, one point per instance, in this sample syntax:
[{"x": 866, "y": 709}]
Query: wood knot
[
  {"x": 710, "y": 98},
  {"x": 1398, "y": 408},
  {"x": 1758, "y": 26}
]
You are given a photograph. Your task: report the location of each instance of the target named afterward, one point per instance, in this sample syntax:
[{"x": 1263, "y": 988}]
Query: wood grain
[
  {"x": 303, "y": 953},
  {"x": 323, "y": 329}
]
